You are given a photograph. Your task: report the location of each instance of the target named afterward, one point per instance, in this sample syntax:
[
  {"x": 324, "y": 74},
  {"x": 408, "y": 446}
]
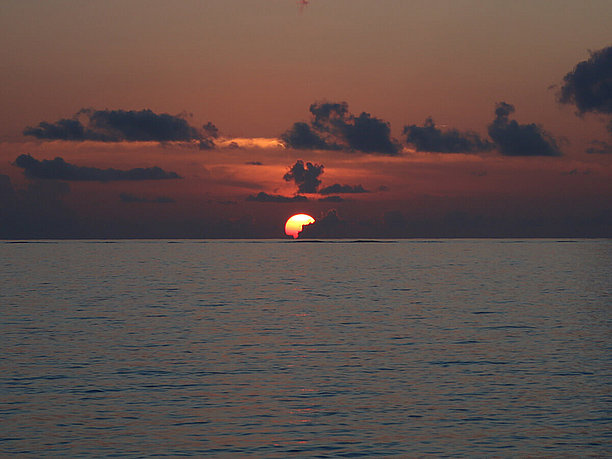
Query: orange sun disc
[{"x": 294, "y": 225}]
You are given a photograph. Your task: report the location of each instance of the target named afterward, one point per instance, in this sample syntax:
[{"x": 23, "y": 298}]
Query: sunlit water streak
[{"x": 280, "y": 348}]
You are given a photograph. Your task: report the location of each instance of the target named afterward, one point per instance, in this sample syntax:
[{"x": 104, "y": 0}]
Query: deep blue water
[{"x": 282, "y": 348}]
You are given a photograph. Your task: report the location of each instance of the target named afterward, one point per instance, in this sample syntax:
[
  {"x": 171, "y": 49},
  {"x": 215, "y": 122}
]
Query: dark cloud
[
  {"x": 64, "y": 129},
  {"x": 363, "y": 133},
  {"x": 254, "y": 163},
  {"x": 305, "y": 177},
  {"x": 336, "y": 188},
  {"x": 265, "y": 197},
  {"x": 206, "y": 144},
  {"x": 328, "y": 225},
  {"x": 514, "y": 139},
  {"x": 58, "y": 169},
  {"x": 329, "y": 116},
  {"x": 128, "y": 197},
  {"x": 301, "y": 136},
  {"x": 370, "y": 135},
  {"x": 124, "y": 125},
  {"x": 211, "y": 130},
  {"x": 430, "y": 138},
  {"x": 503, "y": 110},
  {"x": 332, "y": 199},
  {"x": 589, "y": 85},
  {"x": 600, "y": 148},
  {"x": 141, "y": 125},
  {"x": 333, "y": 128}
]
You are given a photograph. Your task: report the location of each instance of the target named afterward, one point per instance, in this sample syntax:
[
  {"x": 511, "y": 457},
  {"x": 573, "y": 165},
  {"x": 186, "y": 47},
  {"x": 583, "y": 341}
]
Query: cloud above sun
[{"x": 305, "y": 176}]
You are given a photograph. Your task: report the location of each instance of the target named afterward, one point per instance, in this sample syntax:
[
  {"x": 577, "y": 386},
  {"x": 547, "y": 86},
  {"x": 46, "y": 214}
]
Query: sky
[{"x": 380, "y": 118}]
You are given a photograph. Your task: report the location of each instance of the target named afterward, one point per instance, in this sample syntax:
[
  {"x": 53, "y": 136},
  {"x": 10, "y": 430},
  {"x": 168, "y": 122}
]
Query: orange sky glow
[{"x": 254, "y": 72}]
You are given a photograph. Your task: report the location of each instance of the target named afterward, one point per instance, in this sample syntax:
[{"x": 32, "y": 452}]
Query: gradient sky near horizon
[{"x": 253, "y": 68}]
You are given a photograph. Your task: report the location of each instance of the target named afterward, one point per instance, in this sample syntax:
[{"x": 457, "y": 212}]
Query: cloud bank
[
  {"x": 58, "y": 169},
  {"x": 306, "y": 177}
]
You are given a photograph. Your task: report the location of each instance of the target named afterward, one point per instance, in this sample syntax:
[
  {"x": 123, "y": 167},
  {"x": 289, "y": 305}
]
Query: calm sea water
[{"x": 283, "y": 348}]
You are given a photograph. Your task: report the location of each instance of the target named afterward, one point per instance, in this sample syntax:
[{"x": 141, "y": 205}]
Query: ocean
[{"x": 279, "y": 348}]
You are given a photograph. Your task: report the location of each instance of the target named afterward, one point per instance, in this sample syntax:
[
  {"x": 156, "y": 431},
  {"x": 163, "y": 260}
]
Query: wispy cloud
[
  {"x": 58, "y": 169},
  {"x": 275, "y": 198}
]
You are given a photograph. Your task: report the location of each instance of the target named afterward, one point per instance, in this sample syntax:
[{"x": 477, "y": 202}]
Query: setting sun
[{"x": 294, "y": 224}]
